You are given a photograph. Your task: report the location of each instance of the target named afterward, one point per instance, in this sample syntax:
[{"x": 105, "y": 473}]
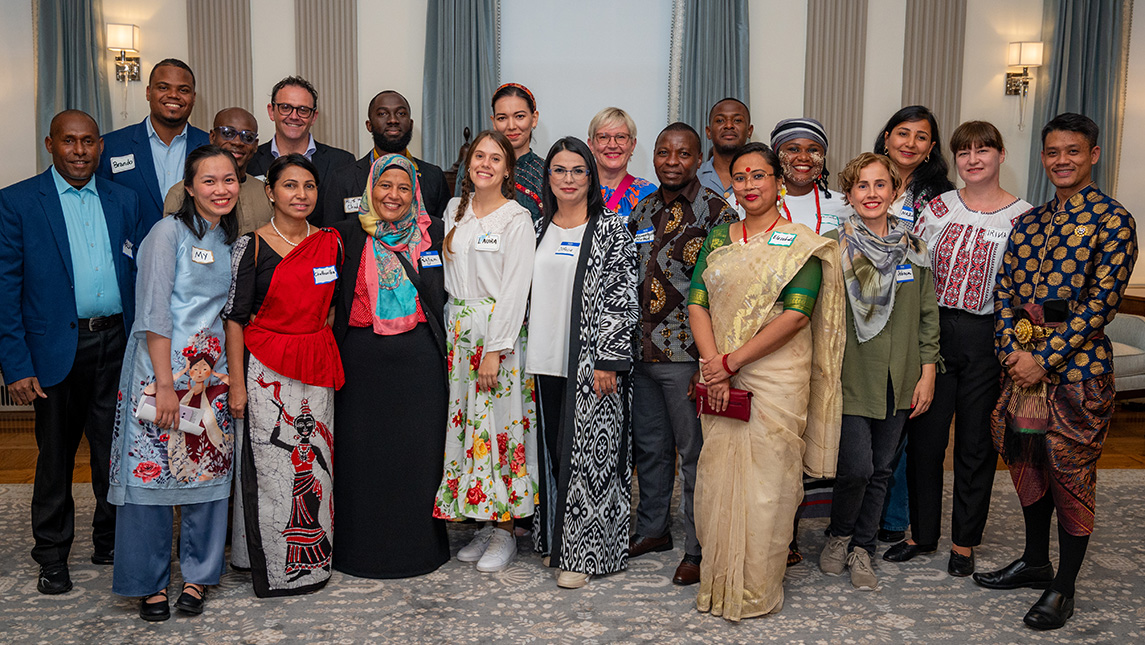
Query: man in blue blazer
[
  {"x": 148, "y": 156},
  {"x": 67, "y": 281}
]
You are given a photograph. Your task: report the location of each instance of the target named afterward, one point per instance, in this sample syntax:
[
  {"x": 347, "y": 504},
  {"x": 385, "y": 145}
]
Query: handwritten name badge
[
  {"x": 322, "y": 275},
  {"x": 202, "y": 256},
  {"x": 121, "y": 164},
  {"x": 351, "y": 204},
  {"x": 129, "y": 249},
  {"x": 489, "y": 242},
  {"x": 903, "y": 273},
  {"x": 996, "y": 235},
  {"x": 907, "y": 214},
  {"x": 430, "y": 259},
  {"x": 644, "y": 236},
  {"x": 568, "y": 248},
  {"x": 781, "y": 239}
]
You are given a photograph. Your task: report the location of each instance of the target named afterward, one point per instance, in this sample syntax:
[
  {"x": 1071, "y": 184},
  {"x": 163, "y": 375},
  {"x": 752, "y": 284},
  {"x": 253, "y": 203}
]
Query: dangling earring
[{"x": 782, "y": 195}]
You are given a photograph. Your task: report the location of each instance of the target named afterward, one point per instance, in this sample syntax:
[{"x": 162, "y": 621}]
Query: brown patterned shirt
[{"x": 668, "y": 240}]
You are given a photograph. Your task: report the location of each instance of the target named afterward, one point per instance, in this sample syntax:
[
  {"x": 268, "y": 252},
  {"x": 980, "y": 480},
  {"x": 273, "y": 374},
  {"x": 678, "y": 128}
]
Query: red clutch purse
[{"x": 739, "y": 403}]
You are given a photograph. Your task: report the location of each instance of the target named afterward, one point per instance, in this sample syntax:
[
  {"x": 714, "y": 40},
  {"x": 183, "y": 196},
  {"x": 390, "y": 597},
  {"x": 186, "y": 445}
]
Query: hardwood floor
[{"x": 1124, "y": 448}]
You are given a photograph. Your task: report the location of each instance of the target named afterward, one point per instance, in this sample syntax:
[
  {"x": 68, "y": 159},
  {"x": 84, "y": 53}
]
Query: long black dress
[{"x": 391, "y": 420}]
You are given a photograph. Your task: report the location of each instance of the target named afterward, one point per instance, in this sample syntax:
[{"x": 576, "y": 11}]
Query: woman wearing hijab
[{"x": 391, "y": 413}]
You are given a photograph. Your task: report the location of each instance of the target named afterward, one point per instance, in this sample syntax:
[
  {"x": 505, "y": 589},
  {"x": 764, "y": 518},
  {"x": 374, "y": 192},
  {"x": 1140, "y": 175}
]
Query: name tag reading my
[
  {"x": 121, "y": 164},
  {"x": 430, "y": 259},
  {"x": 568, "y": 248},
  {"x": 645, "y": 236},
  {"x": 903, "y": 273},
  {"x": 322, "y": 275},
  {"x": 202, "y": 256},
  {"x": 996, "y": 235},
  {"x": 489, "y": 242},
  {"x": 351, "y": 204},
  {"x": 781, "y": 239}
]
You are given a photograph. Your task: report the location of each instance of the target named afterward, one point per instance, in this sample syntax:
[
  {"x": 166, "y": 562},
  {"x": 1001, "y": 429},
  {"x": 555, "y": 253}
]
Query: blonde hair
[
  {"x": 850, "y": 175},
  {"x": 611, "y": 116}
]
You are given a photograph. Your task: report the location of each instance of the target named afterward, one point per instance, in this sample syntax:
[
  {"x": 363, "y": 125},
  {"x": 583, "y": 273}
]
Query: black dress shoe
[
  {"x": 188, "y": 603},
  {"x": 904, "y": 551},
  {"x": 639, "y": 545},
  {"x": 891, "y": 537},
  {"x": 155, "y": 611},
  {"x": 103, "y": 558},
  {"x": 960, "y": 565},
  {"x": 1051, "y": 611},
  {"x": 54, "y": 579},
  {"x": 1017, "y": 574}
]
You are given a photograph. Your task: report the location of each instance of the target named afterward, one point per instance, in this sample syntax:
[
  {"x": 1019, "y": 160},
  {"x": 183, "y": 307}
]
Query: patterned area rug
[{"x": 917, "y": 602}]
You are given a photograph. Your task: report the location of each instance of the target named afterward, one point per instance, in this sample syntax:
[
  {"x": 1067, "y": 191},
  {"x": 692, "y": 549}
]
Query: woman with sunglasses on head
[
  {"x": 491, "y": 445},
  {"x": 766, "y": 310},
  {"x": 584, "y": 313},
  {"x": 284, "y": 367},
  {"x": 173, "y": 440}
]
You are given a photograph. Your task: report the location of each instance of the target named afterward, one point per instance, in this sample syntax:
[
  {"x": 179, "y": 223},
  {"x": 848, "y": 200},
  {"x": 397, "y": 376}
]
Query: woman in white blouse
[
  {"x": 966, "y": 232},
  {"x": 491, "y": 448}
]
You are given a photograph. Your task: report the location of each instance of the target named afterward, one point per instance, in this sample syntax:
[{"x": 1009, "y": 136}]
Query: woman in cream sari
[{"x": 766, "y": 308}]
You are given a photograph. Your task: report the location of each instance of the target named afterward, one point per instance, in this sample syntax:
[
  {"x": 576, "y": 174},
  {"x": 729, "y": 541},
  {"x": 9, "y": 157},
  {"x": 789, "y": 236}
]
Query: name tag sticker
[
  {"x": 489, "y": 242},
  {"x": 644, "y": 236},
  {"x": 129, "y": 249},
  {"x": 351, "y": 204},
  {"x": 903, "y": 273},
  {"x": 781, "y": 239},
  {"x": 568, "y": 248},
  {"x": 202, "y": 256},
  {"x": 430, "y": 259},
  {"x": 121, "y": 164},
  {"x": 322, "y": 275},
  {"x": 996, "y": 235},
  {"x": 907, "y": 214}
]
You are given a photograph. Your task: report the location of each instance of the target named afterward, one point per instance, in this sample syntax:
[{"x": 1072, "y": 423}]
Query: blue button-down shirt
[
  {"x": 169, "y": 159},
  {"x": 709, "y": 178},
  {"x": 96, "y": 287},
  {"x": 311, "y": 148}
]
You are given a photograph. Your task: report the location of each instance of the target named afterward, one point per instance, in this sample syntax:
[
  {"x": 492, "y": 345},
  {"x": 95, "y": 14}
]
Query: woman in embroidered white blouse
[{"x": 491, "y": 447}]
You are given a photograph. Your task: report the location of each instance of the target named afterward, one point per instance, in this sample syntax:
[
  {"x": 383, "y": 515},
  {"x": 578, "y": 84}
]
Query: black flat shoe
[
  {"x": 103, "y": 558},
  {"x": 188, "y": 603},
  {"x": 155, "y": 611},
  {"x": 891, "y": 537},
  {"x": 1051, "y": 611},
  {"x": 54, "y": 579},
  {"x": 960, "y": 565},
  {"x": 1017, "y": 574},
  {"x": 904, "y": 551}
]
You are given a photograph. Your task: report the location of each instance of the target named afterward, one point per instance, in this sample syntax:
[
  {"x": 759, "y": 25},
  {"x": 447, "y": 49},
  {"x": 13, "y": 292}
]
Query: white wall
[
  {"x": 882, "y": 69},
  {"x": 396, "y": 66},
  {"x": 778, "y": 33},
  {"x": 17, "y": 94},
  {"x": 1130, "y": 188},
  {"x": 586, "y": 56}
]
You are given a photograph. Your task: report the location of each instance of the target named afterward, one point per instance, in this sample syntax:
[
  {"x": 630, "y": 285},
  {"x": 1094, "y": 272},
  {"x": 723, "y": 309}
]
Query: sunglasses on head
[{"x": 228, "y": 133}]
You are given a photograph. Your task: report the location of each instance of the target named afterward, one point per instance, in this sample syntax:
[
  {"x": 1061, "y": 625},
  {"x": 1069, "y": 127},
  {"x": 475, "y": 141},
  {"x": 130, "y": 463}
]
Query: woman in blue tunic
[{"x": 173, "y": 440}]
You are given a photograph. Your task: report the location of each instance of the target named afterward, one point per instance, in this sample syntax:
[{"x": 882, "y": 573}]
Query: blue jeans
[{"x": 896, "y": 508}]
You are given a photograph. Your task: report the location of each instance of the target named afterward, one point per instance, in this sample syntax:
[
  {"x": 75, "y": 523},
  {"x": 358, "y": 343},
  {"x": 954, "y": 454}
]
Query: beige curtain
[
  {"x": 218, "y": 34},
  {"x": 833, "y": 90},
  {"x": 932, "y": 60},
  {"x": 327, "y": 35}
]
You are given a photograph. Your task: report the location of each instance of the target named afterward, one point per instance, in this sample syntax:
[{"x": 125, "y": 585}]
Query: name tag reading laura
[
  {"x": 489, "y": 242},
  {"x": 644, "y": 236},
  {"x": 121, "y": 164},
  {"x": 996, "y": 235},
  {"x": 781, "y": 239},
  {"x": 351, "y": 204},
  {"x": 903, "y": 273},
  {"x": 202, "y": 256},
  {"x": 322, "y": 275},
  {"x": 430, "y": 259},
  {"x": 568, "y": 248}
]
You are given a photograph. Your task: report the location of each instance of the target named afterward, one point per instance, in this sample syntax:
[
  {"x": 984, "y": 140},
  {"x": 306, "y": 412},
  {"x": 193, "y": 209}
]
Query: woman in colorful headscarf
[
  {"x": 391, "y": 413},
  {"x": 285, "y": 368}
]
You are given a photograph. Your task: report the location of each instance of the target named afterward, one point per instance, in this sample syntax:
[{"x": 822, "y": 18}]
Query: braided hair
[{"x": 508, "y": 185}]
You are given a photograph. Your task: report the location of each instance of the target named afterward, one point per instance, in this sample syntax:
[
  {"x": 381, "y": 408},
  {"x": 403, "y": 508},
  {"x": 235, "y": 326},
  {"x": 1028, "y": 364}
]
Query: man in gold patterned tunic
[
  {"x": 1061, "y": 281},
  {"x": 669, "y": 227}
]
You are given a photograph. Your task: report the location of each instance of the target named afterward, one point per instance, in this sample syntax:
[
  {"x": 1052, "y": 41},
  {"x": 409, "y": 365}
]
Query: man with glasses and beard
[
  {"x": 294, "y": 108},
  {"x": 236, "y": 131},
  {"x": 389, "y": 123}
]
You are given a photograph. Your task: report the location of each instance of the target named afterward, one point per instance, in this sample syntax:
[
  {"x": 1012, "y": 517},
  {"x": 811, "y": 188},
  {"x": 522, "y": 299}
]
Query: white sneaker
[
  {"x": 473, "y": 551},
  {"x": 500, "y": 552}
]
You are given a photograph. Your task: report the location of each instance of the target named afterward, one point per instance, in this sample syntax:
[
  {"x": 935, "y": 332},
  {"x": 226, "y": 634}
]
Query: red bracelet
[{"x": 728, "y": 369}]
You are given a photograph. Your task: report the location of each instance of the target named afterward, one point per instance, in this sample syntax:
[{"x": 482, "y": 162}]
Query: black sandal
[
  {"x": 155, "y": 611},
  {"x": 190, "y": 604}
]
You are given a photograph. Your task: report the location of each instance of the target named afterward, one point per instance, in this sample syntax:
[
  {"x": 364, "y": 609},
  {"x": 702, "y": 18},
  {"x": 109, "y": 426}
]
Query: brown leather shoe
[
  {"x": 638, "y": 545},
  {"x": 688, "y": 573}
]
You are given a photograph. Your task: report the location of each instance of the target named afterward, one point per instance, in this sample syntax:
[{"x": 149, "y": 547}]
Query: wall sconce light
[
  {"x": 125, "y": 40},
  {"x": 1024, "y": 55}
]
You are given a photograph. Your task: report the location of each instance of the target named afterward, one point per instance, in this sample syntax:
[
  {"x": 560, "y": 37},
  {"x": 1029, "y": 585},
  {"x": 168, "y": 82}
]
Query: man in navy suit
[
  {"x": 148, "y": 156},
  {"x": 67, "y": 281}
]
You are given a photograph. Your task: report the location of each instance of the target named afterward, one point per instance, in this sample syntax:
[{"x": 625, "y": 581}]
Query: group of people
[{"x": 212, "y": 313}]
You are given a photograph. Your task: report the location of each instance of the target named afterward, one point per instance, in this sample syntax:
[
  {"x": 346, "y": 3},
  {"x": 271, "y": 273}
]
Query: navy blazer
[
  {"x": 132, "y": 140},
  {"x": 38, "y": 320}
]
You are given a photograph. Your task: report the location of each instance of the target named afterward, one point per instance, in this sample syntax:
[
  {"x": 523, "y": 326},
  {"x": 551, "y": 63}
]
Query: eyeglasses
[
  {"x": 755, "y": 177},
  {"x": 578, "y": 173},
  {"x": 228, "y": 134},
  {"x": 620, "y": 139},
  {"x": 284, "y": 109}
]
